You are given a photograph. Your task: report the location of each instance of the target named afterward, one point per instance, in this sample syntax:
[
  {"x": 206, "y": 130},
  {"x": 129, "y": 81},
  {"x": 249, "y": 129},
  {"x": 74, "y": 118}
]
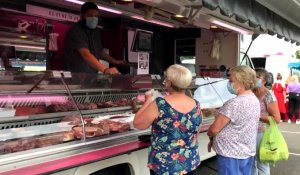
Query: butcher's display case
[{"x": 53, "y": 115}]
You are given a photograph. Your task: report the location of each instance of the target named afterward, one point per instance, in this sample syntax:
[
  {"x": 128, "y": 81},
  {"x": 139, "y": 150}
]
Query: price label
[
  {"x": 155, "y": 77},
  {"x": 56, "y": 74},
  {"x": 67, "y": 74}
]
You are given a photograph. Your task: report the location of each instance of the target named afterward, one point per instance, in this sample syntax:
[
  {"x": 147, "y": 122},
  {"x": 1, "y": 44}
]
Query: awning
[
  {"x": 257, "y": 16},
  {"x": 294, "y": 65}
]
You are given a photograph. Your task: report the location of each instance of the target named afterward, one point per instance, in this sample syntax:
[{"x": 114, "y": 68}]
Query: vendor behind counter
[{"x": 83, "y": 45}]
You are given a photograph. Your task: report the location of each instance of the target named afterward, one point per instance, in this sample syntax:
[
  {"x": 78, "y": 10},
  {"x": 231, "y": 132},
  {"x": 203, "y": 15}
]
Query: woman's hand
[
  {"x": 148, "y": 98},
  {"x": 209, "y": 146}
]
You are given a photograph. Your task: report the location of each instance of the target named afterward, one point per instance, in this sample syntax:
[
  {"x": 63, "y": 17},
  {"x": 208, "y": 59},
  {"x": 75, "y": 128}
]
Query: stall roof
[
  {"x": 257, "y": 16},
  {"x": 295, "y": 65}
]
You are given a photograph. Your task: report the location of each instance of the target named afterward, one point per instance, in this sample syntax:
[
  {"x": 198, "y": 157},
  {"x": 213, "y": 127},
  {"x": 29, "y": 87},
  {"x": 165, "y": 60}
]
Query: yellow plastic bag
[{"x": 273, "y": 146}]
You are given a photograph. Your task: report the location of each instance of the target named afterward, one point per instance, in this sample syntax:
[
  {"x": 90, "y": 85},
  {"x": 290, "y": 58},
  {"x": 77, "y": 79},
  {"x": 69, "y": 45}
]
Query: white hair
[{"x": 180, "y": 76}]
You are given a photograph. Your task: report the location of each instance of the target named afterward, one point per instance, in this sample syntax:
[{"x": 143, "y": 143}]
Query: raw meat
[{"x": 73, "y": 119}]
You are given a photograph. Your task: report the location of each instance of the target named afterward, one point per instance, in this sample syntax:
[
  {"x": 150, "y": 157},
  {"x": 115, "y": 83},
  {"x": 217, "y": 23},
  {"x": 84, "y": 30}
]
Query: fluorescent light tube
[
  {"x": 30, "y": 47},
  {"x": 231, "y": 27},
  {"x": 99, "y": 6},
  {"x": 153, "y": 21}
]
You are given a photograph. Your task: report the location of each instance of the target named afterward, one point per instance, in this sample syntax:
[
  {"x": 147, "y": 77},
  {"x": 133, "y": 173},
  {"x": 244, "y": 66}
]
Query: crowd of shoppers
[
  {"x": 288, "y": 97},
  {"x": 235, "y": 134}
]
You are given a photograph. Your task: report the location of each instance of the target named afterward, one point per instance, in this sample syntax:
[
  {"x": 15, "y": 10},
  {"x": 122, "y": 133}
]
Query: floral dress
[{"x": 174, "y": 145}]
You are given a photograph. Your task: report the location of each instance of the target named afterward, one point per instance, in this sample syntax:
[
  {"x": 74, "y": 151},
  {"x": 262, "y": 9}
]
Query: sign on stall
[
  {"x": 49, "y": 13},
  {"x": 143, "y": 63}
]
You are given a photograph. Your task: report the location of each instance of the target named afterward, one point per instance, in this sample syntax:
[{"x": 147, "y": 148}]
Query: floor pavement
[{"x": 291, "y": 133}]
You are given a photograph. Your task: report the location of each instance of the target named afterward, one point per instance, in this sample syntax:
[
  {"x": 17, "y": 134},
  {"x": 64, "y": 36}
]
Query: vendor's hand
[
  {"x": 118, "y": 62},
  {"x": 112, "y": 71}
]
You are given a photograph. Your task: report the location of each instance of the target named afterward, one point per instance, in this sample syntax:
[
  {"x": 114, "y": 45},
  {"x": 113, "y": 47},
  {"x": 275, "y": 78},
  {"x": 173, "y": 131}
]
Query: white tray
[{"x": 5, "y": 112}]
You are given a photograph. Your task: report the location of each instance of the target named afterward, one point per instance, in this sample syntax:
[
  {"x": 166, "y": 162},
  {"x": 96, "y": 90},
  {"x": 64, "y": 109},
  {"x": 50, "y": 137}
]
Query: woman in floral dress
[{"x": 175, "y": 122}]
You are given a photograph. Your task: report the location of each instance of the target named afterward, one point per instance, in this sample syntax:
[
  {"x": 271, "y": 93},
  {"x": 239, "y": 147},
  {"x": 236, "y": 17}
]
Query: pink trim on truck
[{"x": 77, "y": 160}]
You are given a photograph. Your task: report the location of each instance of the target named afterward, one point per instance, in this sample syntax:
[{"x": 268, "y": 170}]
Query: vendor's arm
[
  {"x": 220, "y": 122},
  {"x": 146, "y": 115},
  {"x": 110, "y": 59},
  {"x": 91, "y": 59},
  {"x": 93, "y": 62}
]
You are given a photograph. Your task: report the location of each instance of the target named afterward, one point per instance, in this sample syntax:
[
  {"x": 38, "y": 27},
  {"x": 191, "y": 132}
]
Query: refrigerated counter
[{"x": 66, "y": 123}]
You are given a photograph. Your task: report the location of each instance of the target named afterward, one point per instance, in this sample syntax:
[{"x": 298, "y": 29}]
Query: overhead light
[
  {"x": 23, "y": 36},
  {"x": 213, "y": 27},
  {"x": 184, "y": 13},
  {"x": 231, "y": 26},
  {"x": 99, "y": 6},
  {"x": 179, "y": 16},
  {"x": 153, "y": 21},
  {"x": 297, "y": 2},
  {"x": 30, "y": 47}
]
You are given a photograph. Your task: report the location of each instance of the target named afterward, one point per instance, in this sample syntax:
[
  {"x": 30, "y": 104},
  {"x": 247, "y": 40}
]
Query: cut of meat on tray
[
  {"x": 115, "y": 126},
  {"x": 101, "y": 105},
  {"x": 29, "y": 110},
  {"x": 69, "y": 106},
  {"x": 73, "y": 119},
  {"x": 90, "y": 106},
  {"x": 104, "y": 125},
  {"x": 48, "y": 140},
  {"x": 90, "y": 131},
  {"x": 19, "y": 145},
  {"x": 110, "y": 104},
  {"x": 123, "y": 102}
]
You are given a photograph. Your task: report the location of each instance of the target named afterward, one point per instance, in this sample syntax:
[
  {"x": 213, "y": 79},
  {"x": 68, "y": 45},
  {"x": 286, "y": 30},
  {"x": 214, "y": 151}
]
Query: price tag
[
  {"x": 56, "y": 74},
  {"x": 155, "y": 77},
  {"x": 67, "y": 74}
]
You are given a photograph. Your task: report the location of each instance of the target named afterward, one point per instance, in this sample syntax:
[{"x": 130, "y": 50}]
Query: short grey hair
[
  {"x": 180, "y": 77},
  {"x": 244, "y": 75}
]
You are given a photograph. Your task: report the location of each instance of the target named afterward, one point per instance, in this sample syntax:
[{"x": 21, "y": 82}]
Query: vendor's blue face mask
[
  {"x": 91, "y": 22},
  {"x": 231, "y": 88}
]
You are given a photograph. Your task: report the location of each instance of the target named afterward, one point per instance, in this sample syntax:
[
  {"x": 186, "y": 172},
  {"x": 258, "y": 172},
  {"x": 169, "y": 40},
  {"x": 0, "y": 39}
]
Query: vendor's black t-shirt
[{"x": 80, "y": 36}]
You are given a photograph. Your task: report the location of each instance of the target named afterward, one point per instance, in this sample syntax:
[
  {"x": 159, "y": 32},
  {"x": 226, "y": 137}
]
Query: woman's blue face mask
[
  {"x": 259, "y": 83},
  {"x": 231, "y": 88}
]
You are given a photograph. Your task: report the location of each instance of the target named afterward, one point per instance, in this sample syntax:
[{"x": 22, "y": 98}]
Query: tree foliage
[{"x": 297, "y": 54}]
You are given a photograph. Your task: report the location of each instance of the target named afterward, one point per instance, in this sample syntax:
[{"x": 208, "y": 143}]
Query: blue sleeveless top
[{"x": 174, "y": 145}]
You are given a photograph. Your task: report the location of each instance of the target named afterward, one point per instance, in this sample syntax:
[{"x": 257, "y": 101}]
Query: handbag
[{"x": 273, "y": 147}]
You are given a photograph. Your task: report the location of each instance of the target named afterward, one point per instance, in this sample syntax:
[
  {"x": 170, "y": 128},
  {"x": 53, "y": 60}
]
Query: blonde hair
[
  {"x": 245, "y": 76},
  {"x": 288, "y": 79},
  {"x": 180, "y": 77},
  {"x": 294, "y": 79}
]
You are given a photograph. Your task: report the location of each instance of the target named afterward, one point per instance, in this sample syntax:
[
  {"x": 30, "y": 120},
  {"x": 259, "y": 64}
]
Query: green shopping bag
[{"x": 273, "y": 146}]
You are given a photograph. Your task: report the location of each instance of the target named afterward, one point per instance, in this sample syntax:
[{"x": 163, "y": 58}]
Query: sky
[
  {"x": 265, "y": 45},
  {"x": 277, "y": 51}
]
